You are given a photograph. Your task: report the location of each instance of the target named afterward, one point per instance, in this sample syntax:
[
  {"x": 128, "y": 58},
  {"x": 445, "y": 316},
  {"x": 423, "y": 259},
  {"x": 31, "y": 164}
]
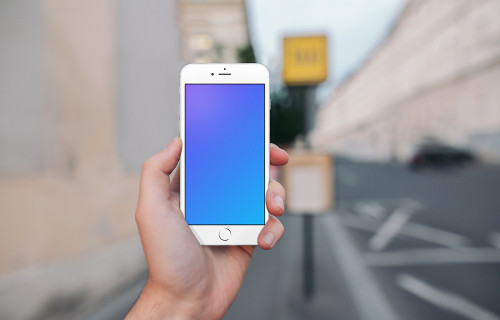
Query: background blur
[{"x": 410, "y": 113}]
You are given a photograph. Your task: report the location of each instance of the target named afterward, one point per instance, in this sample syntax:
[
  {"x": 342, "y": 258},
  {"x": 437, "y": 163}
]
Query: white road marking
[
  {"x": 439, "y": 236},
  {"x": 433, "y": 256},
  {"x": 390, "y": 228},
  {"x": 495, "y": 239},
  {"x": 444, "y": 299},
  {"x": 411, "y": 229},
  {"x": 386, "y": 202},
  {"x": 370, "y": 209},
  {"x": 367, "y": 296}
]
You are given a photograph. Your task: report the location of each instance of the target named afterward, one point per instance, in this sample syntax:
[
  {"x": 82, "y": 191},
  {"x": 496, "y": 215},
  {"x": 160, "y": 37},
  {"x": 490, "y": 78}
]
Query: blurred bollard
[{"x": 308, "y": 179}]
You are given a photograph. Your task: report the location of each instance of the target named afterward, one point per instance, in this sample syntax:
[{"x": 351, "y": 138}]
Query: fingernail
[
  {"x": 172, "y": 143},
  {"x": 279, "y": 202},
  {"x": 269, "y": 238}
]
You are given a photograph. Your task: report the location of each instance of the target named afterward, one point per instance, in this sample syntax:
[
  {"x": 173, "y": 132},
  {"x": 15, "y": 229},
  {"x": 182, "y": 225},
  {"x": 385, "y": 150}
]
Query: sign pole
[
  {"x": 308, "y": 256},
  {"x": 307, "y": 220},
  {"x": 308, "y": 180},
  {"x": 304, "y": 65}
]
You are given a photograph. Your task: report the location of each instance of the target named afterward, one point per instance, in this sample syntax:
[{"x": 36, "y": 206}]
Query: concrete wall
[
  {"x": 148, "y": 66},
  {"x": 23, "y": 121},
  {"x": 437, "y": 74},
  {"x": 89, "y": 90}
]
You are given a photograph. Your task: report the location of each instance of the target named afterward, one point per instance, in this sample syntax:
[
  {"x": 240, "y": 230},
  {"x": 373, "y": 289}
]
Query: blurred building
[
  {"x": 212, "y": 30},
  {"x": 436, "y": 75},
  {"x": 88, "y": 91}
]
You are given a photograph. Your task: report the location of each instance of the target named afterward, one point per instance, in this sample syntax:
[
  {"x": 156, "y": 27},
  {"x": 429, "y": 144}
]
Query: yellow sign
[{"x": 305, "y": 60}]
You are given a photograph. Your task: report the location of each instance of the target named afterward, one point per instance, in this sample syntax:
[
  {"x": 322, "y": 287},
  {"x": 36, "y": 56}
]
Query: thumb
[{"x": 155, "y": 176}]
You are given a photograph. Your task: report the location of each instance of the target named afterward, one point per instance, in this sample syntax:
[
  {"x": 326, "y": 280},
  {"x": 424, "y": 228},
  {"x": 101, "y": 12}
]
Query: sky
[{"x": 354, "y": 29}]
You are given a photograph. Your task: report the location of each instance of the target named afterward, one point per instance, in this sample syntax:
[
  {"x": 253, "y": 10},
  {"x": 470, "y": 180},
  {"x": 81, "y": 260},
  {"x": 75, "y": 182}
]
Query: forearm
[{"x": 152, "y": 304}]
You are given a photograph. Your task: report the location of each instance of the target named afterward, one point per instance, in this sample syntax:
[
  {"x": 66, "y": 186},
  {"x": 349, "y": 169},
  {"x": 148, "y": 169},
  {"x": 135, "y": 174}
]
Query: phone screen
[{"x": 225, "y": 154}]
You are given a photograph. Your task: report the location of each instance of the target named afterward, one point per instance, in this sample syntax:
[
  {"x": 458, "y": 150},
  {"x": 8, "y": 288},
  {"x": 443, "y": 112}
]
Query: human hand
[{"x": 187, "y": 280}]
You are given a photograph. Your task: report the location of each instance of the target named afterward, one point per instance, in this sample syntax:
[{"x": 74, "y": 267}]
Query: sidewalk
[{"x": 273, "y": 286}]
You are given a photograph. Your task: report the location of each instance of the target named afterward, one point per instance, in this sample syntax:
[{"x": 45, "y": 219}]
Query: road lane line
[
  {"x": 411, "y": 229},
  {"x": 444, "y": 299},
  {"x": 495, "y": 239},
  {"x": 439, "y": 236},
  {"x": 368, "y": 298},
  {"x": 370, "y": 210},
  {"x": 383, "y": 201},
  {"x": 432, "y": 256},
  {"x": 390, "y": 228}
]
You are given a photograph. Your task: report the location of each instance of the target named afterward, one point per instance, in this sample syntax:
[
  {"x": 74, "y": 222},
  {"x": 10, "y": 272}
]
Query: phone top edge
[{"x": 232, "y": 71}]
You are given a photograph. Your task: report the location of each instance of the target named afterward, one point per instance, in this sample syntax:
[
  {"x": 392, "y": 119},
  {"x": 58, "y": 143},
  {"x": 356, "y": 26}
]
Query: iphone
[{"x": 224, "y": 126}]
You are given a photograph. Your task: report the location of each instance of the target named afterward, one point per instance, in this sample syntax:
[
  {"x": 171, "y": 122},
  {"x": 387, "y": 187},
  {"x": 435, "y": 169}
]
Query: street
[
  {"x": 441, "y": 258},
  {"x": 399, "y": 245},
  {"x": 436, "y": 258}
]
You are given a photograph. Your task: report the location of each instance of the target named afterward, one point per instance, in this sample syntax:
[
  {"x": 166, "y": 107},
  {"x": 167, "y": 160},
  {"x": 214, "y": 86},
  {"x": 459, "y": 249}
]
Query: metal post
[
  {"x": 308, "y": 254},
  {"x": 308, "y": 267}
]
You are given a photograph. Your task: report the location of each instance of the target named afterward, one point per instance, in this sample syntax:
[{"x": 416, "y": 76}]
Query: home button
[{"x": 225, "y": 234}]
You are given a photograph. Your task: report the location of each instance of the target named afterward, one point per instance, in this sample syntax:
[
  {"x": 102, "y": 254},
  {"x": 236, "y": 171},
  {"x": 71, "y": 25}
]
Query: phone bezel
[{"x": 240, "y": 73}]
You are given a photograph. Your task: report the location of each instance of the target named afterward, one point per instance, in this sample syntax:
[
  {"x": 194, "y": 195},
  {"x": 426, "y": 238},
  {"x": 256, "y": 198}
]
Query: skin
[{"x": 187, "y": 280}]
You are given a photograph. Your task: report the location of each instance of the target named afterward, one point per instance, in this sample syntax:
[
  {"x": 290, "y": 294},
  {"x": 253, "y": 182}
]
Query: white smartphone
[{"x": 224, "y": 126}]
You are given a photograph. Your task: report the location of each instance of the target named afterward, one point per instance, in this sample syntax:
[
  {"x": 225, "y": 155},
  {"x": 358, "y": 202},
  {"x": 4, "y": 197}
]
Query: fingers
[
  {"x": 275, "y": 202},
  {"x": 278, "y": 156},
  {"x": 270, "y": 234},
  {"x": 275, "y": 198},
  {"x": 155, "y": 180}
]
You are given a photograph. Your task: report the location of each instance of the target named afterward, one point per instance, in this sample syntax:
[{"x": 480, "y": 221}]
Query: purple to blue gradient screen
[{"x": 224, "y": 150}]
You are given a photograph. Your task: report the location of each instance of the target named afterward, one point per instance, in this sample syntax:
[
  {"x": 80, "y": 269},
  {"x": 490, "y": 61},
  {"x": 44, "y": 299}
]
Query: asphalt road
[
  {"x": 430, "y": 239},
  {"x": 400, "y": 245}
]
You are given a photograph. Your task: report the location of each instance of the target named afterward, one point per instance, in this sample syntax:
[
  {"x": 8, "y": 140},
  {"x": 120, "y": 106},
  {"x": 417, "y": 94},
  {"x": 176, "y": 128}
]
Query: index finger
[{"x": 278, "y": 156}]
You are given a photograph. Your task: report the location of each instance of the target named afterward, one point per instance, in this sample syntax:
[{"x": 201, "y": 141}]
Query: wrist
[{"x": 155, "y": 303}]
